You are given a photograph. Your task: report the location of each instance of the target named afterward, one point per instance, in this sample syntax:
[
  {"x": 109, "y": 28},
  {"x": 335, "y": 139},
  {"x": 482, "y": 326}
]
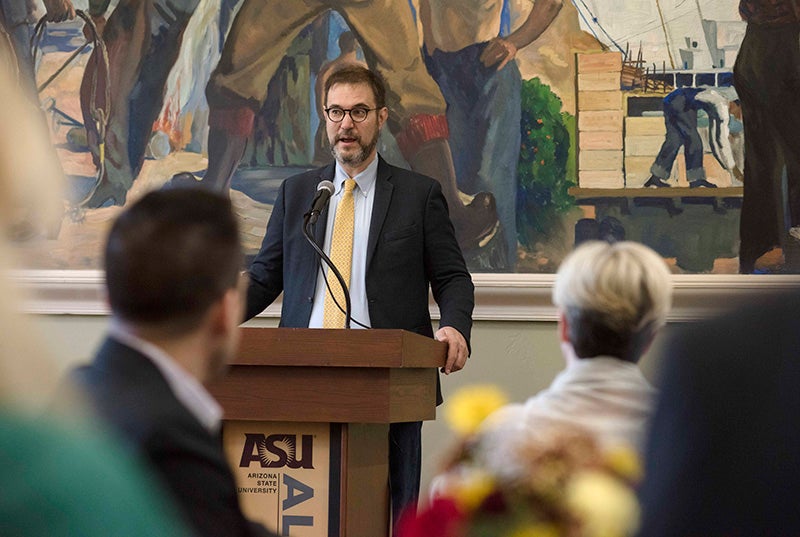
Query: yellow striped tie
[{"x": 341, "y": 255}]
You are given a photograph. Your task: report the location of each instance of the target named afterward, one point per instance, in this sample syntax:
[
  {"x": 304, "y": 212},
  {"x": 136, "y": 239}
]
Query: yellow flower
[
  {"x": 605, "y": 506},
  {"x": 624, "y": 462},
  {"x": 473, "y": 487},
  {"x": 468, "y": 407},
  {"x": 536, "y": 530}
]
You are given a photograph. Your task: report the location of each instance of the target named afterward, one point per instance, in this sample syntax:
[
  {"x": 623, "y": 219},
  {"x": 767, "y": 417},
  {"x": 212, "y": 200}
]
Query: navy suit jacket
[
  {"x": 131, "y": 395},
  {"x": 411, "y": 246}
]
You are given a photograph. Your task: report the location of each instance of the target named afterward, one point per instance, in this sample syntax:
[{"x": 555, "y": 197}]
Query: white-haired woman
[{"x": 612, "y": 298}]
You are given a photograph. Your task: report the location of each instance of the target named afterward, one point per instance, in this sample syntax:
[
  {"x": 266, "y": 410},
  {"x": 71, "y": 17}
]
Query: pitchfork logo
[{"x": 277, "y": 451}]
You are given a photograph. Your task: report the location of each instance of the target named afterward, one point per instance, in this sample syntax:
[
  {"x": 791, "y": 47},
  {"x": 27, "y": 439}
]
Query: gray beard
[{"x": 359, "y": 157}]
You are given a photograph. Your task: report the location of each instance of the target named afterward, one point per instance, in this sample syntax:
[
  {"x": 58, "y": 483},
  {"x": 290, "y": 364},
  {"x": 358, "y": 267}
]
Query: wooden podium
[{"x": 349, "y": 383}]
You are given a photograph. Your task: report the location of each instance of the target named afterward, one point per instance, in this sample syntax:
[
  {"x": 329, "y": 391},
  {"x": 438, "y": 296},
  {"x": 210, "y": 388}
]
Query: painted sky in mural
[{"x": 638, "y": 21}]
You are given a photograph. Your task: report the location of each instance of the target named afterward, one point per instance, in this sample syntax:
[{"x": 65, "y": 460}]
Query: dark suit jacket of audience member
[
  {"x": 723, "y": 455},
  {"x": 411, "y": 243},
  {"x": 131, "y": 394}
]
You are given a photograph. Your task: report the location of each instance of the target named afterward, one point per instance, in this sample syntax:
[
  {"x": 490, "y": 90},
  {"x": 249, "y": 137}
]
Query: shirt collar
[
  {"x": 186, "y": 388},
  {"x": 365, "y": 180}
]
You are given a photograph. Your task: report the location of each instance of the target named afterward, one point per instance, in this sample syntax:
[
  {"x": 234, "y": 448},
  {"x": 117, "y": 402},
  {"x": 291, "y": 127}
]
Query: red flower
[
  {"x": 442, "y": 518},
  {"x": 495, "y": 503}
]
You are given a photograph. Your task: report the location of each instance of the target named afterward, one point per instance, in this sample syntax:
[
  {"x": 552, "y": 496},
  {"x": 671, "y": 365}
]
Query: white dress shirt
[{"x": 363, "y": 197}]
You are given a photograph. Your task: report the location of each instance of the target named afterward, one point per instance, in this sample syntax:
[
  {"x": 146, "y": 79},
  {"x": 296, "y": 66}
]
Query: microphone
[{"x": 324, "y": 193}]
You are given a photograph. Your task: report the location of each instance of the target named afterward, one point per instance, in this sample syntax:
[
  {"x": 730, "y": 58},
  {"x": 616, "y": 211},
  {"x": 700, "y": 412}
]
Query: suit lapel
[{"x": 380, "y": 205}]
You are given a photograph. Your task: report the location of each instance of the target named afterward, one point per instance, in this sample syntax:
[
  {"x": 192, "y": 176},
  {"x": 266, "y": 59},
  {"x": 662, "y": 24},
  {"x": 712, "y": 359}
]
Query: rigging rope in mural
[
  {"x": 597, "y": 22},
  {"x": 585, "y": 21},
  {"x": 657, "y": 25}
]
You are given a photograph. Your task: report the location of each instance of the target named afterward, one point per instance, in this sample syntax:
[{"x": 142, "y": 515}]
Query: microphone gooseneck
[{"x": 324, "y": 193}]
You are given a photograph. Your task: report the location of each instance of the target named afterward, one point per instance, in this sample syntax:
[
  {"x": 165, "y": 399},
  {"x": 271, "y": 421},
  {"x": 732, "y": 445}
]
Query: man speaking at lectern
[{"x": 388, "y": 232}]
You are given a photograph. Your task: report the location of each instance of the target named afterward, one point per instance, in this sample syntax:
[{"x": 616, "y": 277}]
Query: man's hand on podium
[{"x": 457, "y": 352}]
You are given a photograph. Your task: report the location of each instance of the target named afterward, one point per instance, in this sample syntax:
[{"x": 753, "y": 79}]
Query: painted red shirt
[{"x": 770, "y": 11}]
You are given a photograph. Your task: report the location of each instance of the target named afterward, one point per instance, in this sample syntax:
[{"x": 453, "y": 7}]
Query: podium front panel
[
  {"x": 282, "y": 473},
  {"x": 311, "y": 479}
]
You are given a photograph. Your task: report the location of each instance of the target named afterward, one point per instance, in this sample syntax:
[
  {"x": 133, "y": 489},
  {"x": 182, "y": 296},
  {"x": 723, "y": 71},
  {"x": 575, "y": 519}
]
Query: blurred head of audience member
[
  {"x": 722, "y": 450},
  {"x": 31, "y": 187},
  {"x": 612, "y": 298},
  {"x": 58, "y": 476},
  {"x": 173, "y": 263}
]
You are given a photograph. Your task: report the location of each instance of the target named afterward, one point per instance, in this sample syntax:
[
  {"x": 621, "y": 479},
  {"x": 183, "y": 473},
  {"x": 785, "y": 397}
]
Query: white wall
[{"x": 519, "y": 357}]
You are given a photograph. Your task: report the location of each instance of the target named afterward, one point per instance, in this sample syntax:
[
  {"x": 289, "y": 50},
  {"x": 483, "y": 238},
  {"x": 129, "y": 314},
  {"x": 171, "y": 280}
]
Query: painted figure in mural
[
  {"x": 17, "y": 19},
  {"x": 480, "y": 81},
  {"x": 143, "y": 39},
  {"x": 348, "y": 55},
  {"x": 680, "y": 116},
  {"x": 403, "y": 246},
  {"x": 767, "y": 78},
  {"x": 261, "y": 33}
]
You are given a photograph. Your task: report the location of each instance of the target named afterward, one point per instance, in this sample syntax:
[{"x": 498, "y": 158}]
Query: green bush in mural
[{"x": 546, "y": 164}]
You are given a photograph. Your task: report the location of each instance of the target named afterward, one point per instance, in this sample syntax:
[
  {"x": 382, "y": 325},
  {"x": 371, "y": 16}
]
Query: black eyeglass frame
[{"x": 346, "y": 111}]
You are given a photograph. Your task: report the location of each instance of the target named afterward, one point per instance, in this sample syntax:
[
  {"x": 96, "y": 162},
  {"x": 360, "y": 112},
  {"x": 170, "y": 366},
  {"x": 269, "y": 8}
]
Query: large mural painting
[{"x": 547, "y": 123}]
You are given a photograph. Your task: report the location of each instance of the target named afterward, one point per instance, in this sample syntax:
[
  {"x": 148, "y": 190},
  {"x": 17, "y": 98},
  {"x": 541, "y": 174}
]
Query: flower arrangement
[
  {"x": 559, "y": 484},
  {"x": 470, "y": 406}
]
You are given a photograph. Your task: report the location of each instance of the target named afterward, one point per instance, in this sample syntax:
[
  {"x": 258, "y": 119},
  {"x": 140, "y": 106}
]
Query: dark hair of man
[
  {"x": 591, "y": 335},
  {"x": 357, "y": 74},
  {"x": 170, "y": 256}
]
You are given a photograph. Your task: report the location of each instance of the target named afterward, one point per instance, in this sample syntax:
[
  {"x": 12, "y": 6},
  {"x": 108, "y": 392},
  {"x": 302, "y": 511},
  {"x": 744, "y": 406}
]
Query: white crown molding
[
  {"x": 62, "y": 292},
  {"x": 498, "y": 297}
]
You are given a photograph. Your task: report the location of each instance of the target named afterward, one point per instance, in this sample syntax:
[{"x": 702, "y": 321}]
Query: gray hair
[{"x": 613, "y": 296}]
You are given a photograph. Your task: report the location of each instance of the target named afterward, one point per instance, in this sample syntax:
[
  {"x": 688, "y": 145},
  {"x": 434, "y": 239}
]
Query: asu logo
[{"x": 277, "y": 451}]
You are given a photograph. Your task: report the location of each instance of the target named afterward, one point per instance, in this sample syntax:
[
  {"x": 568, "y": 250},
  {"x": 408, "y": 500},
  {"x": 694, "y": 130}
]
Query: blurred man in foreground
[
  {"x": 172, "y": 273},
  {"x": 721, "y": 456}
]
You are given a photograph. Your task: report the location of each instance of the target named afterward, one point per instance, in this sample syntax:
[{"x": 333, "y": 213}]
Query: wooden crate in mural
[{"x": 599, "y": 114}]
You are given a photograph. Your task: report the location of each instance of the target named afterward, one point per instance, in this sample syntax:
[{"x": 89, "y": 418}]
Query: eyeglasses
[{"x": 357, "y": 114}]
